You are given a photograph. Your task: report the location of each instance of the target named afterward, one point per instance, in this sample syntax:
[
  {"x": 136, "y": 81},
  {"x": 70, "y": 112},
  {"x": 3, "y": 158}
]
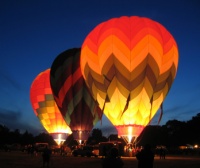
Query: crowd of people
[{"x": 145, "y": 157}]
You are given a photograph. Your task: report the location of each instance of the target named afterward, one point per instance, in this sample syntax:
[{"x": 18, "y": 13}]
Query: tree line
[{"x": 173, "y": 134}]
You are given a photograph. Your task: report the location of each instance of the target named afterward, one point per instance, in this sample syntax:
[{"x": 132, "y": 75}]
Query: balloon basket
[{"x": 81, "y": 136}]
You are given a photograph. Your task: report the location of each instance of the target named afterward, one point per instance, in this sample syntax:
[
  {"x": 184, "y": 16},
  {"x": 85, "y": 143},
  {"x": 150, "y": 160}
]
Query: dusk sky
[{"x": 34, "y": 32}]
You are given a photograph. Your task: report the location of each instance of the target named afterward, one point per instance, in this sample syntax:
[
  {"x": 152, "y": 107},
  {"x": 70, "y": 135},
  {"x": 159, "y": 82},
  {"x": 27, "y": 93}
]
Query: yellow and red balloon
[
  {"x": 45, "y": 108},
  {"x": 129, "y": 65}
]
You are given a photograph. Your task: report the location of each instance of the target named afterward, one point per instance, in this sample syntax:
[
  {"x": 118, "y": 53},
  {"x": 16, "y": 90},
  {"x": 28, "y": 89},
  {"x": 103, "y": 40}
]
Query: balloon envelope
[
  {"x": 129, "y": 64},
  {"x": 72, "y": 96},
  {"x": 45, "y": 107}
]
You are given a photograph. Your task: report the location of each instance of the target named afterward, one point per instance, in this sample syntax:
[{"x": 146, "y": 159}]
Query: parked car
[
  {"x": 105, "y": 147},
  {"x": 40, "y": 146},
  {"x": 85, "y": 151}
]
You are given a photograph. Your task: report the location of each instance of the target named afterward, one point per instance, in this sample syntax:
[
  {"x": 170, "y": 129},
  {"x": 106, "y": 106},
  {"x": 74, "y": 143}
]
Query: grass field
[{"x": 24, "y": 160}]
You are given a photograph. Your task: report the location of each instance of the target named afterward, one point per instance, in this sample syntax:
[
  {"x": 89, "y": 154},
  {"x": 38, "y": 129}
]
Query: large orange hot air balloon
[
  {"x": 79, "y": 109},
  {"x": 129, "y": 65},
  {"x": 45, "y": 108}
]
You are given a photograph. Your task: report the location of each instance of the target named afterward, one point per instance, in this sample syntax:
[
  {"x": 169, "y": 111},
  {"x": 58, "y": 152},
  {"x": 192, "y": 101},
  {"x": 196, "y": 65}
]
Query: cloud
[
  {"x": 9, "y": 115},
  {"x": 13, "y": 120},
  {"x": 10, "y": 119},
  {"x": 179, "y": 112}
]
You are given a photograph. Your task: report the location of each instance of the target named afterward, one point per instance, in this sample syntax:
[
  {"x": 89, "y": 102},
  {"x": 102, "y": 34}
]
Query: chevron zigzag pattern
[{"x": 129, "y": 56}]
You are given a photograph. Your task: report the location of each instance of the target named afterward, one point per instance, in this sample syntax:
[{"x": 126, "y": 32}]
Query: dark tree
[
  {"x": 27, "y": 138},
  {"x": 96, "y": 137},
  {"x": 70, "y": 141}
]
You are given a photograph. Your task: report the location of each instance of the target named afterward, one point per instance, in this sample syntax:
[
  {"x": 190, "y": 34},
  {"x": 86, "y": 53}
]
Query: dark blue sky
[{"x": 34, "y": 32}]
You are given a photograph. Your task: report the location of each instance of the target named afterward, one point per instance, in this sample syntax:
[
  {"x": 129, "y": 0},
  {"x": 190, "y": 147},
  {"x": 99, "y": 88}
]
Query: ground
[{"x": 23, "y": 160}]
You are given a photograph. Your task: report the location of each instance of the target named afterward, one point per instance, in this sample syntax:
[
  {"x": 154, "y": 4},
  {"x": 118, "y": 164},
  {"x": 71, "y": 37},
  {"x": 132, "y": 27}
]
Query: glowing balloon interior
[
  {"x": 45, "y": 108},
  {"x": 129, "y": 65},
  {"x": 59, "y": 137}
]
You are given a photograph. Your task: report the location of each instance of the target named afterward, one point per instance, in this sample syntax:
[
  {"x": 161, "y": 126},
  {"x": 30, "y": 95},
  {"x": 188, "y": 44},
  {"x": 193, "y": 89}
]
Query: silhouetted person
[
  {"x": 113, "y": 160},
  {"x": 145, "y": 157},
  {"x": 46, "y": 156},
  {"x": 62, "y": 150},
  {"x": 104, "y": 151},
  {"x": 162, "y": 153}
]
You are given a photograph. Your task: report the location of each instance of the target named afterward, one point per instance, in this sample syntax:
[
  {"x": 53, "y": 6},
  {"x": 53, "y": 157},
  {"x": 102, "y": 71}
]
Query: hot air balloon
[
  {"x": 79, "y": 109},
  {"x": 129, "y": 65},
  {"x": 45, "y": 108}
]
